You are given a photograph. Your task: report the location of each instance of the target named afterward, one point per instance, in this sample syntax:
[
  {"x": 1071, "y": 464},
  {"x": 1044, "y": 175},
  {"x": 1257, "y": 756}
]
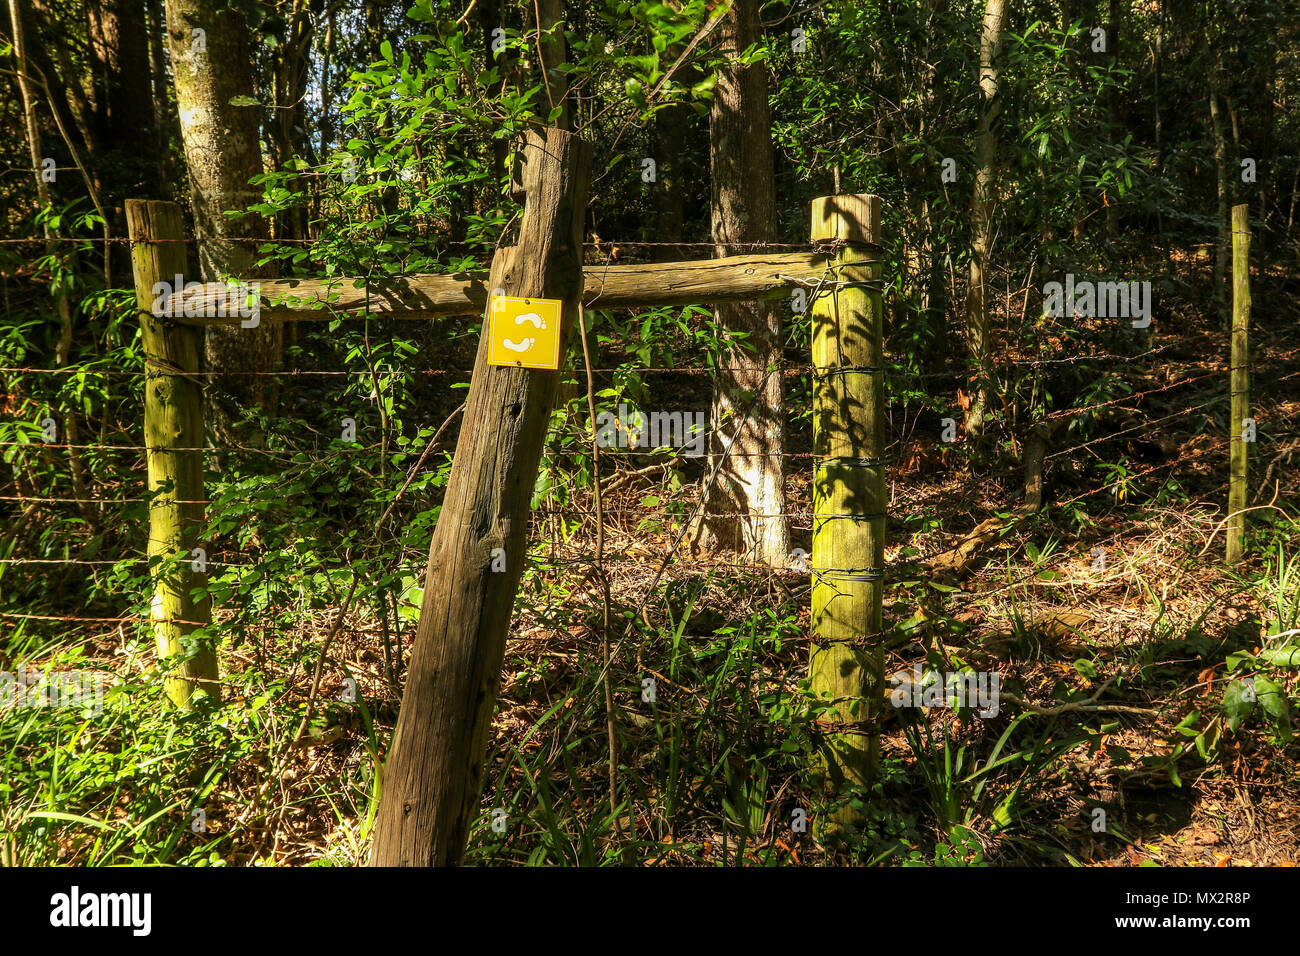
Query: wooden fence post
[
  {"x": 173, "y": 436},
  {"x": 1238, "y": 463},
  {"x": 846, "y": 663},
  {"x": 435, "y": 765}
]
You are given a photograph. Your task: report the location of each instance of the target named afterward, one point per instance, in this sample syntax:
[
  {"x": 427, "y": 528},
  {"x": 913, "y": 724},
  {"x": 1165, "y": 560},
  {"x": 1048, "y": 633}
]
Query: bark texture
[
  {"x": 746, "y": 503},
  {"x": 434, "y": 769},
  {"x": 211, "y": 67},
  {"x": 981, "y": 211}
]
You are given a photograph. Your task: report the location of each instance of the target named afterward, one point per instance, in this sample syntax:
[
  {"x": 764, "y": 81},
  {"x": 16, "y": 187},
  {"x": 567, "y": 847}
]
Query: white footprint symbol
[{"x": 523, "y": 346}]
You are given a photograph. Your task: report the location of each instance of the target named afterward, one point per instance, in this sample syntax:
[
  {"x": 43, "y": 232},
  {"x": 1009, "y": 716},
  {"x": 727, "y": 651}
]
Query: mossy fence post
[
  {"x": 173, "y": 436},
  {"x": 846, "y": 661},
  {"x": 1239, "y": 455}
]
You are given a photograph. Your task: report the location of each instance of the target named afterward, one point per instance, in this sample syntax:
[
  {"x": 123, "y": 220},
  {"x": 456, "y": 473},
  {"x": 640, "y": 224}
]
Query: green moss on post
[
  {"x": 173, "y": 431},
  {"x": 846, "y": 661},
  {"x": 1239, "y": 455}
]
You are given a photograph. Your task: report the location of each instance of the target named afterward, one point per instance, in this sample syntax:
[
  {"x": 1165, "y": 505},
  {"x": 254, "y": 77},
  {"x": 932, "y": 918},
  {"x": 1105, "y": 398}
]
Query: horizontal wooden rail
[{"x": 729, "y": 279}]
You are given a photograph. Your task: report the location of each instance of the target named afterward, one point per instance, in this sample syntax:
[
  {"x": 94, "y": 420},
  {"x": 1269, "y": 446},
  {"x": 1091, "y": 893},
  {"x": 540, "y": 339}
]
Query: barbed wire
[
  {"x": 648, "y": 450},
  {"x": 673, "y": 510},
  {"x": 695, "y": 564},
  {"x": 584, "y": 453},
  {"x": 597, "y": 244},
  {"x": 703, "y": 370},
  {"x": 787, "y": 367},
  {"x": 616, "y": 558},
  {"x": 691, "y": 564}
]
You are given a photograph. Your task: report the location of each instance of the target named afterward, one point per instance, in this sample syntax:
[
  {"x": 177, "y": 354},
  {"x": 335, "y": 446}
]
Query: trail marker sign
[{"x": 524, "y": 332}]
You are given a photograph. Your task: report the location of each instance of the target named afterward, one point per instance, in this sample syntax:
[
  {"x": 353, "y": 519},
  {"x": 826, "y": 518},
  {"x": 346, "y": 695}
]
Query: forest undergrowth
[{"x": 1140, "y": 679}]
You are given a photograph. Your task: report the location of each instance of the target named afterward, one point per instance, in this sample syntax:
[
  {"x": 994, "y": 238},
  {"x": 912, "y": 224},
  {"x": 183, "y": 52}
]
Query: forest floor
[{"x": 1120, "y": 638}]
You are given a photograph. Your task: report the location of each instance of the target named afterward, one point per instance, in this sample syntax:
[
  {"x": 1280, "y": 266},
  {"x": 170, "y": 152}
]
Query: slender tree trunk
[
  {"x": 124, "y": 112},
  {"x": 63, "y": 351},
  {"x": 166, "y": 122},
  {"x": 492, "y": 15},
  {"x": 212, "y": 67},
  {"x": 982, "y": 201},
  {"x": 27, "y": 88},
  {"x": 746, "y": 504},
  {"x": 1265, "y": 168},
  {"x": 555, "y": 83},
  {"x": 1160, "y": 123},
  {"x": 74, "y": 107},
  {"x": 326, "y": 85},
  {"x": 1113, "y": 100},
  {"x": 289, "y": 130},
  {"x": 669, "y": 132},
  {"x": 1221, "y": 243}
]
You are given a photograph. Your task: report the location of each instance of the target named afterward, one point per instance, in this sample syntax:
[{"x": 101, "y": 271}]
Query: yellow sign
[{"x": 524, "y": 332}]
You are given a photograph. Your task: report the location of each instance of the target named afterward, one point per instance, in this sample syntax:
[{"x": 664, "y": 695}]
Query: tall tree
[
  {"x": 288, "y": 131},
  {"x": 1222, "y": 243},
  {"x": 981, "y": 211},
  {"x": 1114, "y": 20},
  {"x": 211, "y": 64},
  {"x": 746, "y": 503},
  {"x": 124, "y": 112},
  {"x": 555, "y": 83},
  {"x": 63, "y": 351}
]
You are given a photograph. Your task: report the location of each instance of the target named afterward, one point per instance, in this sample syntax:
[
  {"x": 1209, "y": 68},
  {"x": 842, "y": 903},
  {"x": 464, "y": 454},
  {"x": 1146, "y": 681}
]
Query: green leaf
[
  {"x": 1281, "y": 657},
  {"x": 1236, "y": 708},
  {"x": 1272, "y": 698},
  {"x": 1238, "y": 658}
]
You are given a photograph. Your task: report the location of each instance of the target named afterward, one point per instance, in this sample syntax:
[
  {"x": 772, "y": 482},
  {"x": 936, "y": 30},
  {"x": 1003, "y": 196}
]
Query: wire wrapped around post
[{"x": 845, "y": 662}]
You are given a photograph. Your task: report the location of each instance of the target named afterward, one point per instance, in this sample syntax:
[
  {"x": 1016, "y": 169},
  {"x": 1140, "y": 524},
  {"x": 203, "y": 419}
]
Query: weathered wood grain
[
  {"x": 432, "y": 775},
  {"x": 734, "y": 278}
]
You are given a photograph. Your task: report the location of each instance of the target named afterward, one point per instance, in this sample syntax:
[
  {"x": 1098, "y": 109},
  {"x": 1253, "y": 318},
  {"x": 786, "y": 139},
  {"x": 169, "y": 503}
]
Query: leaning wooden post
[
  {"x": 435, "y": 765},
  {"x": 173, "y": 436},
  {"x": 848, "y": 543},
  {"x": 1238, "y": 426}
]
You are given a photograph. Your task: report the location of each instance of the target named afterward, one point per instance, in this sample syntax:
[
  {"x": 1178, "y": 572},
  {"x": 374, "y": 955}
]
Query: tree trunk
[
  {"x": 124, "y": 113},
  {"x": 166, "y": 122},
  {"x": 28, "y": 91},
  {"x": 70, "y": 102},
  {"x": 669, "y": 132},
  {"x": 223, "y": 154},
  {"x": 746, "y": 503},
  {"x": 492, "y": 15},
  {"x": 63, "y": 351},
  {"x": 289, "y": 131},
  {"x": 326, "y": 87},
  {"x": 1263, "y": 157},
  {"x": 982, "y": 200},
  {"x": 1113, "y": 99},
  {"x": 555, "y": 83},
  {"x": 1221, "y": 240}
]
